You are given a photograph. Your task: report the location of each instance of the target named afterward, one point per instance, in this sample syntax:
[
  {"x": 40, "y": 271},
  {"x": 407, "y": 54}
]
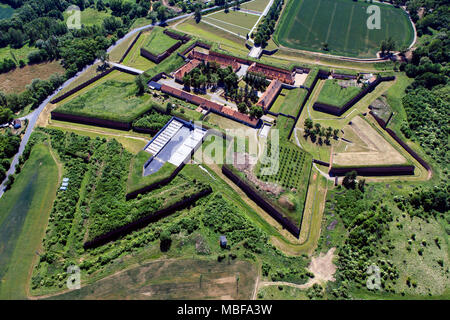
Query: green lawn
[
  {"x": 257, "y": 5},
  {"x": 137, "y": 181},
  {"x": 158, "y": 42},
  {"x": 111, "y": 100},
  {"x": 307, "y": 24},
  {"x": 90, "y": 16},
  {"x": 24, "y": 212},
  {"x": 292, "y": 101},
  {"x": 134, "y": 58},
  {"x": 333, "y": 94}
]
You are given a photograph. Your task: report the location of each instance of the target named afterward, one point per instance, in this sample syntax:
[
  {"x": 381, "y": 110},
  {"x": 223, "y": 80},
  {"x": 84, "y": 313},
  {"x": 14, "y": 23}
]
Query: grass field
[
  {"x": 307, "y": 24},
  {"x": 137, "y": 181},
  {"x": 16, "y": 80},
  {"x": 234, "y": 21},
  {"x": 24, "y": 213},
  {"x": 174, "y": 279},
  {"x": 16, "y": 54},
  {"x": 90, "y": 16},
  {"x": 256, "y": 5},
  {"x": 5, "y": 11},
  {"x": 289, "y": 101},
  {"x": 132, "y": 141},
  {"x": 112, "y": 100},
  {"x": 134, "y": 58},
  {"x": 333, "y": 94},
  {"x": 157, "y": 42}
]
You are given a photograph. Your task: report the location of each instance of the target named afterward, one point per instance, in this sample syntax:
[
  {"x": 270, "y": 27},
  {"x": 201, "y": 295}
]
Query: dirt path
[
  {"x": 99, "y": 131},
  {"x": 322, "y": 267}
]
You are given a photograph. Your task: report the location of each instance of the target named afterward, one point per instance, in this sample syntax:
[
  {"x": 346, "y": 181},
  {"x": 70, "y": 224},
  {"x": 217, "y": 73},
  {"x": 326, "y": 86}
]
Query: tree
[
  {"x": 308, "y": 124},
  {"x": 242, "y": 107},
  {"x": 361, "y": 185},
  {"x": 349, "y": 181},
  {"x": 317, "y": 126},
  {"x": 256, "y": 112},
  {"x": 335, "y": 133},
  {"x": 141, "y": 84},
  {"x": 165, "y": 241},
  {"x": 6, "y": 115},
  {"x": 198, "y": 15}
]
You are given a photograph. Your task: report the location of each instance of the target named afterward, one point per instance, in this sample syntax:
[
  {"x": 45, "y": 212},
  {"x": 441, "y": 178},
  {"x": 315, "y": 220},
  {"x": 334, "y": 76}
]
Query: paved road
[{"x": 32, "y": 117}]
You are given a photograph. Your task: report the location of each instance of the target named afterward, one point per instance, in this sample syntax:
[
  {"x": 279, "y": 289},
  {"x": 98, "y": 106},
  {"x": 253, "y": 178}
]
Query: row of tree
[{"x": 314, "y": 130}]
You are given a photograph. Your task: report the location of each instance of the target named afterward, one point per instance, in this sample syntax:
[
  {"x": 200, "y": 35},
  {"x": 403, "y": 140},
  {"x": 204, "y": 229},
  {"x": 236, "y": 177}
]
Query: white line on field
[
  {"x": 223, "y": 29},
  {"x": 231, "y": 24}
]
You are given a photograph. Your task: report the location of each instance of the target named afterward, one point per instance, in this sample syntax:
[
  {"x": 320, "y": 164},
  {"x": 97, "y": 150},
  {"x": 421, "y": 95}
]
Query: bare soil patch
[
  {"x": 246, "y": 164},
  {"x": 380, "y": 152}
]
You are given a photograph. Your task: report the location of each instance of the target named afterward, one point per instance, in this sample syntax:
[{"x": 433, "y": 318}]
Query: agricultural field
[
  {"x": 5, "y": 11},
  {"x": 157, "y": 42},
  {"x": 16, "y": 80},
  {"x": 239, "y": 23},
  {"x": 308, "y": 24},
  {"x": 334, "y": 94},
  {"x": 23, "y": 216},
  {"x": 111, "y": 100}
]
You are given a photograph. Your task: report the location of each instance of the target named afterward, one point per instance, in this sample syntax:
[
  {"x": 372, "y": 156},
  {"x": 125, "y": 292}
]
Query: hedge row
[
  {"x": 396, "y": 170},
  {"x": 144, "y": 221},
  {"x": 263, "y": 203}
]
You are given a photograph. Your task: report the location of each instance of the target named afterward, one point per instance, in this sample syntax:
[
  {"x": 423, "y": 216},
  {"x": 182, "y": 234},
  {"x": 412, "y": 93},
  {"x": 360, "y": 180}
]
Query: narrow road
[{"x": 33, "y": 117}]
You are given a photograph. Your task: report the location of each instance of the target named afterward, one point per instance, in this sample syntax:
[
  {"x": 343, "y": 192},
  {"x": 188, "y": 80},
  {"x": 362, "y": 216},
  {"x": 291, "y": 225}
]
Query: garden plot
[{"x": 376, "y": 150}]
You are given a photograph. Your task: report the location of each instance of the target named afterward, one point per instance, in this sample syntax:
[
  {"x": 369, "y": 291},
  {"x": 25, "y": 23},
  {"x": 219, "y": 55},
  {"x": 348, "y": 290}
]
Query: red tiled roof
[
  {"x": 272, "y": 72},
  {"x": 270, "y": 94},
  {"x": 204, "y": 103},
  {"x": 188, "y": 67},
  {"x": 223, "y": 60}
]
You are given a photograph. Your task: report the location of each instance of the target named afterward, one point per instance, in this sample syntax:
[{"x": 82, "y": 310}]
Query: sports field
[
  {"x": 240, "y": 23},
  {"x": 342, "y": 24}
]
